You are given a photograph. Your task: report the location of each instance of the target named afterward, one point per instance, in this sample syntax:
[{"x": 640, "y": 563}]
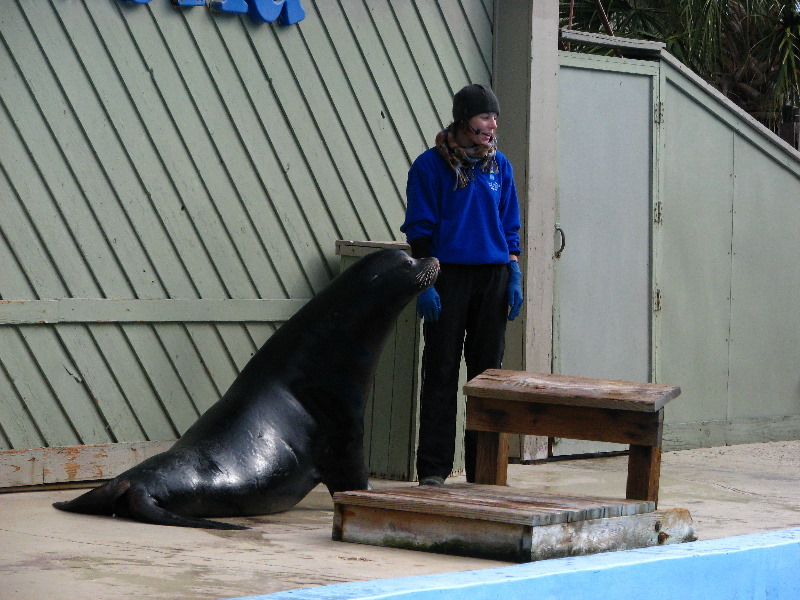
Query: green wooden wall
[
  {"x": 173, "y": 182},
  {"x": 729, "y": 272}
]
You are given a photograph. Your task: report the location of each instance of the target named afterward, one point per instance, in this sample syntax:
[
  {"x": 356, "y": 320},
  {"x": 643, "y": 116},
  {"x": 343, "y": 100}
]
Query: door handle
[{"x": 563, "y": 241}]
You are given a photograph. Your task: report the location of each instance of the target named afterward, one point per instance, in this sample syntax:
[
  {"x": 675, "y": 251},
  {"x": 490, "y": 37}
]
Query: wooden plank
[
  {"x": 83, "y": 155},
  {"x": 35, "y": 397},
  {"x": 259, "y": 233},
  {"x": 168, "y": 388},
  {"x": 447, "y": 53},
  {"x": 496, "y": 503},
  {"x": 21, "y": 467},
  {"x": 295, "y": 96},
  {"x": 55, "y": 261},
  {"x": 198, "y": 257},
  {"x": 212, "y": 354},
  {"x": 276, "y": 228},
  {"x": 574, "y": 422},
  {"x": 38, "y": 466},
  {"x": 390, "y": 97},
  {"x": 362, "y": 248},
  {"x": 381, "y": 409},
  {"x": 431, "y": 533},
  {"x": 548, "y": 388},
  {"x": 101, "y": 461},
  {"x": 674, "y": 526},
  {"x": 473, "y": 39},
  {"x": 404, "y": 395},
  {"x": 644, "y": 472},
  {"x": 435, "y": 87},
  {"x": 501, "y": 523},
  {"x": 282, "y": 116},
  {"x": 54, "y": 358},
  {"x": 509, "y": 542},
  {"x": 422, "y": 122},
  {"x": 344, "y": 90},
  {"x": 155, "y": 310},
  {"x": 105, "y": 389},
  {"x": 630, "y": 47},
  {"x": 115, "y": 354},
  {"x": 491, "y": 461}
]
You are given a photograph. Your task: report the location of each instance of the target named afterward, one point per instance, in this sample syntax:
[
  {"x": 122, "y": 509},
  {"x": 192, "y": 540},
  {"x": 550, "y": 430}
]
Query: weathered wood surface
[
  {"x": 644, "y": 472},
  {"x": 658, "y": 528},
  {"x": 501, "y": 523},
  {"x": 36, "y": 466},
  {"x": 496, "y": 503},
  {"x": 503, "y": 402},
  {"x": 574, "y": 422},
  {"x": 567, "y": 390},
  {"x": 491, "y": 459}
]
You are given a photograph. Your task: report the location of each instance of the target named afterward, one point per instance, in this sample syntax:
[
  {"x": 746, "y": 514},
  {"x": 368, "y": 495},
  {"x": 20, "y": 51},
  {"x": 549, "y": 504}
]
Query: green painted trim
[
  {"x": 607, "y": 63},
  {"x": 709, "y": 434},
  {"x": 99, "y": 310}
]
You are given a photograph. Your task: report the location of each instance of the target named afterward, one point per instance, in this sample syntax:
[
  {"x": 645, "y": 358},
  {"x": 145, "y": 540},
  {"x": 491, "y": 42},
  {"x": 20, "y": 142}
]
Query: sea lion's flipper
[
  {"x": 132, "y": 501},
  {"x": 101, "y": 500},
  {"x": 142, "y": 507}
]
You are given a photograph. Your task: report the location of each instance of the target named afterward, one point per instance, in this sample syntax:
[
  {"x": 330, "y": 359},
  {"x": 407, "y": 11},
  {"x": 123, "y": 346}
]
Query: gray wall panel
[
  {"x": 729, "y": 272},
  {"x": 765, "y": 290},
  {"x": 695, "y": 259},
  {"x": 157, "y": 153}
]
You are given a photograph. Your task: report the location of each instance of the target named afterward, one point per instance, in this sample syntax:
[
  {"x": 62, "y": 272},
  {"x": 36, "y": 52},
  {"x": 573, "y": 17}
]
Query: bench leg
[
  {"x": 491, "y": 460},
  {"x": 644, "y": 471}
]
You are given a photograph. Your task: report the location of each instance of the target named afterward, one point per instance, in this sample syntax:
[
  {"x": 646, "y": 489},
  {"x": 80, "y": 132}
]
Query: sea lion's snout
[{"x": 428, "y": 273}]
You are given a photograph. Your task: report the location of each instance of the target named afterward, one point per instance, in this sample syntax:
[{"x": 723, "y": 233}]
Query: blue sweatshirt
[{"x": 475, "y": 225}]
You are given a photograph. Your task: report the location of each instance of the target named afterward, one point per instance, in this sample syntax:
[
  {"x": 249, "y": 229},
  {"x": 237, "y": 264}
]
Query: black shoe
[{"x": 432, "y": 480}]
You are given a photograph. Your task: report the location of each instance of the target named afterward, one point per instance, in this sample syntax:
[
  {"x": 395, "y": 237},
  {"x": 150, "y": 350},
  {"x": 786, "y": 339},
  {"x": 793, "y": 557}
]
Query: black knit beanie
[{"x": 474, "y": 99}]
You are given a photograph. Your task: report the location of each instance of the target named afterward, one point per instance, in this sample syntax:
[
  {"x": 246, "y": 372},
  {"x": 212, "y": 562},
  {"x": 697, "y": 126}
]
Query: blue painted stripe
[{"x": 756, "y": 566}]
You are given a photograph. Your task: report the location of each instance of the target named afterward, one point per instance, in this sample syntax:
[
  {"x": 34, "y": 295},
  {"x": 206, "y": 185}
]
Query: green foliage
[{"x": 748, "y": 49}]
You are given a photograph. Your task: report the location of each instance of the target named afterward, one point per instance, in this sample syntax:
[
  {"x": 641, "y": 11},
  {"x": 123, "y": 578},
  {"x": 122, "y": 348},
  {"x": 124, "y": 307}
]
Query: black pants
[{"x": 473, "y": 319}]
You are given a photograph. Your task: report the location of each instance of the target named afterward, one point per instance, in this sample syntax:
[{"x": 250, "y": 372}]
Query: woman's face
[{"x": 485, "y": 124}]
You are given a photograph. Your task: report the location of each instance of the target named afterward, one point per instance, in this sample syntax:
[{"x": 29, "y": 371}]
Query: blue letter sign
[{"x": 288, "y": 11}]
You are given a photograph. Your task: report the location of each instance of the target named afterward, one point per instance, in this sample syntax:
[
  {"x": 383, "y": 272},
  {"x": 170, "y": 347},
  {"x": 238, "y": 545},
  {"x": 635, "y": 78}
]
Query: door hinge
[
  {"x": 656, "y": 300},
  {"x": 657, "y": 212},
  {"x": 658, "y": 112}
]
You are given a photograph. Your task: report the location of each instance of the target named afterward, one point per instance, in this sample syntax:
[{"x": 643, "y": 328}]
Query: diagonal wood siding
[{"x": 187, "y": 173}]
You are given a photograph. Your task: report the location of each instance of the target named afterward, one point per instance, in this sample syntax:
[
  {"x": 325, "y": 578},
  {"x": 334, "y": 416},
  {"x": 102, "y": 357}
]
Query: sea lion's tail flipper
[
  {"x": 134, "y": 502},
  {"x": 101, "y": 500},
  {"x": 143, "y": 507}
]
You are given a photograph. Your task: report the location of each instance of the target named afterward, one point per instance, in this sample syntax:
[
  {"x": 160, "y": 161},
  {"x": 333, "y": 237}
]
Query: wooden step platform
[{"x": 501, "y": 523}]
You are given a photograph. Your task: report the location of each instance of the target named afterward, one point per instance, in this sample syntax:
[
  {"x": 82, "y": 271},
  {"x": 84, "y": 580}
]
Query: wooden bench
[{"x": 501, "y": 402}]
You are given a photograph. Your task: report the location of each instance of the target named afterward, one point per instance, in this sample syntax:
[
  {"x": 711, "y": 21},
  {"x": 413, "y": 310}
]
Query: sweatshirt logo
[{"x": 492, "y": 183}]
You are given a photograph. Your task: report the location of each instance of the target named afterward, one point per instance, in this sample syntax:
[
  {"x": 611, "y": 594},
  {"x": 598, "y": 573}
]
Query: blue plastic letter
[
  {"x": 290, "y": 11},
  {"x": 230, "y": 6}
]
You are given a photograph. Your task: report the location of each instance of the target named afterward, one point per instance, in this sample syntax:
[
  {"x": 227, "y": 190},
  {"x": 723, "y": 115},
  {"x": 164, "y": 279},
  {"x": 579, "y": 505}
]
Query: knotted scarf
[{"x": 461, "y": 159}]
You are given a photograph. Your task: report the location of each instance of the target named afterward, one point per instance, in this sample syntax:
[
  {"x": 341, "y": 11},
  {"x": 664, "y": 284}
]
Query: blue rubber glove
[
  {"x": 514, "y": 289},
  {"x": 429, "y": 305}
]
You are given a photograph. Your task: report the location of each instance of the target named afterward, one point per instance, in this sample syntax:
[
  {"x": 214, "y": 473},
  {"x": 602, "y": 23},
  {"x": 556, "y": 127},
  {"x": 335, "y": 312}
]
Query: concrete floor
[{"x": 45, "y": 553}]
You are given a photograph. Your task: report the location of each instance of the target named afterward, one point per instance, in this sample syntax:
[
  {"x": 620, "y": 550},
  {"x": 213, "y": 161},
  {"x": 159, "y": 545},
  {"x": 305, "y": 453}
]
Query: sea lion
[{"x": 293, "y": 417}]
